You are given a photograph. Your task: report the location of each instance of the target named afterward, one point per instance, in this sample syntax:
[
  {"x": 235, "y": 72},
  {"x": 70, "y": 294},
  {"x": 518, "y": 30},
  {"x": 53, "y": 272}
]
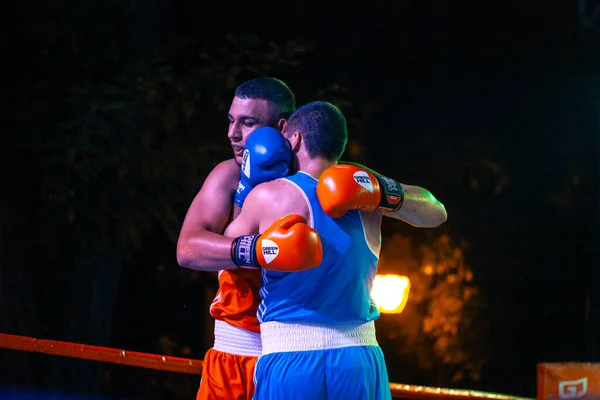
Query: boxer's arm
[
  {"x": 275, "y": 217},
  {"x": 258, "y": 209},
  {"x": 265, "y": 204},
  {"x": 199, "y": 247},
  {"x": 420, "y": 207},
  {"x": 208, "y": 251},
  {"x": 200, "y": 241}
]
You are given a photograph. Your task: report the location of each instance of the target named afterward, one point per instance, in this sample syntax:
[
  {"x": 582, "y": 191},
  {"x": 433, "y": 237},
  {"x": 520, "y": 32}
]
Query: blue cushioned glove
[{"x": 267, "y": 156}]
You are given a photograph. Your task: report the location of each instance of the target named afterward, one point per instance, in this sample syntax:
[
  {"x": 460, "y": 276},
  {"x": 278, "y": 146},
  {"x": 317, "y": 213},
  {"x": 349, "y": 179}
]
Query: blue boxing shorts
[{"x": 317, "y": 362}]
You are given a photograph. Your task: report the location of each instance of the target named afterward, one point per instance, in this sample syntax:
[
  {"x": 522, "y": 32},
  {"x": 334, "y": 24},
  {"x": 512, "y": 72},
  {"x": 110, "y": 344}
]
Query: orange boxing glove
[
  {"x": 288, "y": 245},
  {"x": 344, "y": 187}
]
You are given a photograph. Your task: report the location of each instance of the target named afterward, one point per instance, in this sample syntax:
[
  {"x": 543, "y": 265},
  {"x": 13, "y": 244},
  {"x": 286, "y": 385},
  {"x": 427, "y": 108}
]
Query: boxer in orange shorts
[
  {"x": 229, "y": 365},
  {"x": 228, "y": 368}
]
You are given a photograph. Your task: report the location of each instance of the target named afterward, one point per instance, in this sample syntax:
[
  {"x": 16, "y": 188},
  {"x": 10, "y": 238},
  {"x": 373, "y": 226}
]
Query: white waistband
[
  {"x": 280, "y": 337},
  {"x": 234, "y": 340}
]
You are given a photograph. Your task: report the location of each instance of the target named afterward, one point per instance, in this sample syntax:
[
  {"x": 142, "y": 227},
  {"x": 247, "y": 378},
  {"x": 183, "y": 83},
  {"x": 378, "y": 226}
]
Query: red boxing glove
[
  {"x": 288, "y": 245},
  {"x": 344, "y": 187}
]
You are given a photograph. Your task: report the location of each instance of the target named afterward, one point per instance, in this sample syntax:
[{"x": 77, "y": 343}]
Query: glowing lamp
[{"x": 390, "y": 293}]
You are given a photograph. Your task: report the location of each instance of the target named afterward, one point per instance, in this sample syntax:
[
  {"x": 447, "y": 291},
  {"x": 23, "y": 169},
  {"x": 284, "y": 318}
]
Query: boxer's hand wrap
[
  {"x": 243, "y": 251},
  {"x": 392, "y": 194}
]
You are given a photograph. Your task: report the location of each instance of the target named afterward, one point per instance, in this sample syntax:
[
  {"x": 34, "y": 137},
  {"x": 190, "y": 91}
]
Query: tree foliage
[{"x": 441, "y": 327}]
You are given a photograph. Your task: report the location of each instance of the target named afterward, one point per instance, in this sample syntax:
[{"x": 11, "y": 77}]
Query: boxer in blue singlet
[{"x": 317, "y": 326}]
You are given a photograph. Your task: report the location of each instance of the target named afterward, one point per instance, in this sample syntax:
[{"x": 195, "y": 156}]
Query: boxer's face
[{"x": 246, "y": 115}]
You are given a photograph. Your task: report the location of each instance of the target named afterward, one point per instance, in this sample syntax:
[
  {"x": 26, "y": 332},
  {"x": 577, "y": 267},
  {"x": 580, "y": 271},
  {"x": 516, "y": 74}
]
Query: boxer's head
[
  {"x": 318, "y": 130},
  {"x": 257, "y": 103}
]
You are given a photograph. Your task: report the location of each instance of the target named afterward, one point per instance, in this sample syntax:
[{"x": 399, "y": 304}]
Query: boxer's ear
[
  {"x": 282, "y": 126},
  {"x": 295, "y": 140}
]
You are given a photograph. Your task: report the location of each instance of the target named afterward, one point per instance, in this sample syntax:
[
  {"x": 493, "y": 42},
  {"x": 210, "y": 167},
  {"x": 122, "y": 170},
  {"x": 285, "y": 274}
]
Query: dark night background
[{"x": 113, "y": 113}]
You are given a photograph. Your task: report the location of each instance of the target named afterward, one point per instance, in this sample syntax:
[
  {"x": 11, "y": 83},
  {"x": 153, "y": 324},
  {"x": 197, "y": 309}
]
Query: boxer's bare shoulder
[
  {"x": 277, "y": 198},
  {"x": 228, "y": 171}
]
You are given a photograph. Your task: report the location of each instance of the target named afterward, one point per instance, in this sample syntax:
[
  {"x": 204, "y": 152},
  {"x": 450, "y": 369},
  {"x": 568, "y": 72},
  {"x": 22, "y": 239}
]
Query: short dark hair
[
  {"x": 323, "y": 128},
  {"x": 272, "y": 90}
]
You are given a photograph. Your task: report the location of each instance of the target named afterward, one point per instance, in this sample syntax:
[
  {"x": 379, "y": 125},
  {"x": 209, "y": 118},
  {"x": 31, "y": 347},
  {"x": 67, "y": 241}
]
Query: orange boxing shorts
[{"x": 228, "y": 367}]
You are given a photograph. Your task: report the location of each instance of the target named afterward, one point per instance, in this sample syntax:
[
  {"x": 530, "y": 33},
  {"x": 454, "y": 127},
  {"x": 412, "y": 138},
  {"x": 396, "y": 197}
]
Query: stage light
[{"x": 390, "y": 293}]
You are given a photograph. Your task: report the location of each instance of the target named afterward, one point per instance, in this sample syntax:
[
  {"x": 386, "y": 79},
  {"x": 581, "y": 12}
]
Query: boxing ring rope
[
  {"x": 104, "y": 354},
  {"x": 194, "y": 367}
]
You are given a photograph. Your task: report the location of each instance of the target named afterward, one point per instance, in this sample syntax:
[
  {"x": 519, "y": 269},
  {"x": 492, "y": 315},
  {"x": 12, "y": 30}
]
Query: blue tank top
[{"x": 338, "y": 291}]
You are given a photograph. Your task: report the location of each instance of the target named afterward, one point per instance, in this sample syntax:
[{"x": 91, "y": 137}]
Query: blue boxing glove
[{"x": 267, "y": 156}]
